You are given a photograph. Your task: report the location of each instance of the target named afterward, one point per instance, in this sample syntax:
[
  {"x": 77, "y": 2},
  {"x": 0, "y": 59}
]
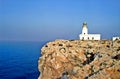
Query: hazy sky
[{"x": 43, "y": 20}]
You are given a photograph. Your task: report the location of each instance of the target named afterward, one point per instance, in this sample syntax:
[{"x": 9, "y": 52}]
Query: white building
[
  {"x": 115, "y": 38},
  {"x": 86, "y": 36}
]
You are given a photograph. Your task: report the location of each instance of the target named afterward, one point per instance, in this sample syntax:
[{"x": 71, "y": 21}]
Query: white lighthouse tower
[
  {"x": 84, "y": 29},
  {"x": 86, "y": 36}
]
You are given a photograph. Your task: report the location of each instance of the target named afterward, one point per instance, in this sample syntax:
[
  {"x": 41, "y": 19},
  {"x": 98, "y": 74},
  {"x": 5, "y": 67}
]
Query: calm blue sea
[{"x": 19, "y": 60}]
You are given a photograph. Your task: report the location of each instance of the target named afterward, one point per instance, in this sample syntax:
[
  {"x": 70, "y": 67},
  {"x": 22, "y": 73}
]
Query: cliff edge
[{"x": 80, "y": 59}]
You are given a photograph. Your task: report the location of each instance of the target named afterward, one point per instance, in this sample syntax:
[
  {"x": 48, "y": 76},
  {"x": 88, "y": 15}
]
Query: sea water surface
[{"x": 19, "y": 60}]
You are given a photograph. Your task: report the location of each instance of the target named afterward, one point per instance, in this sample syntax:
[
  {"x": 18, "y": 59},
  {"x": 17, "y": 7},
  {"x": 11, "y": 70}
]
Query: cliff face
[{"x": 77, "y": 59}]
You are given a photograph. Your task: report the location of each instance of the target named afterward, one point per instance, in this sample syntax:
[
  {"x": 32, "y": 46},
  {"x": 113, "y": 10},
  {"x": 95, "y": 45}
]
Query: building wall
[
  {"x": 89, "y": 37},
  {"x": 85, "y": 30},
  {"x": 114, "y": 38}
]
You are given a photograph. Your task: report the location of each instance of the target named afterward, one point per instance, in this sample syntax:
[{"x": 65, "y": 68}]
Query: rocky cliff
[{"x": 78, "y": 59}]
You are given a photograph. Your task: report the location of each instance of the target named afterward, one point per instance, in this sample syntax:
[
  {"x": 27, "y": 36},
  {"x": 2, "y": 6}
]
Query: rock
[{"x": 78, "y": 59}]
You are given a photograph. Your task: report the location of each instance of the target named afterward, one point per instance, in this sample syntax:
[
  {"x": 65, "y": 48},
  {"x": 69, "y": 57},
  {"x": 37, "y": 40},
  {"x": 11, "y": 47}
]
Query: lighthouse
[
  {"x": 85, "y": 36},
  {"x": 84, "y": 29}
]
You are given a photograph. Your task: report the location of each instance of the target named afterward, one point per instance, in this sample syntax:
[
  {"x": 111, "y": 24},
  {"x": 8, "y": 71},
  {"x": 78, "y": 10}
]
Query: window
[
  {"x": 92, "y": 38},
  {"x": 88, "y": 38},
  {"x": 82, "y": 38}
]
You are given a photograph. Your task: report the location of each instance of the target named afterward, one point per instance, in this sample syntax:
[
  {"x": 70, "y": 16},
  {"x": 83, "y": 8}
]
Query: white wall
[
  {"x": 85, "y": 30},
  {"x": 90, "y": 37},
  {"x": 114, "y": 38}
]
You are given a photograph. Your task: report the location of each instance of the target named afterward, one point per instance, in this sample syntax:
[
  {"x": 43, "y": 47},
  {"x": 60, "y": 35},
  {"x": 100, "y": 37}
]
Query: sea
[{"x": 19, "y": 60}]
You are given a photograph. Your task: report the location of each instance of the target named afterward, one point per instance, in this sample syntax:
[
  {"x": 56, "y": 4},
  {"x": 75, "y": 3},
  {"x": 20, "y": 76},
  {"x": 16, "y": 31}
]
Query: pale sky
[{"x": 44, "y": 20}]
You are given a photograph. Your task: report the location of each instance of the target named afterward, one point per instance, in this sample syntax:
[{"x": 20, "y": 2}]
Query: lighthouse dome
[{"x": 84, "y": 23}]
